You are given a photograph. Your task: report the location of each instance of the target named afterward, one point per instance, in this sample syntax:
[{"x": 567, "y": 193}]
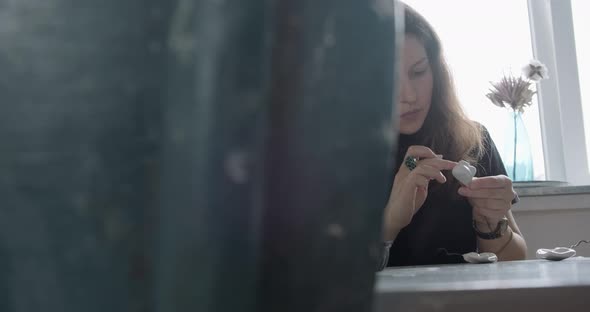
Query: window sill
[{"x": 549, "y": 188}]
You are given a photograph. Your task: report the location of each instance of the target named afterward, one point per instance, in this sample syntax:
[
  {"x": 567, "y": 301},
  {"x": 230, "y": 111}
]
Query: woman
[{"x": 430, "y": 218}]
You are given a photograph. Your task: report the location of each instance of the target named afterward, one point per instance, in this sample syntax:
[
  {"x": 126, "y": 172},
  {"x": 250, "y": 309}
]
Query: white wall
[{"x": 554, "y": 221}]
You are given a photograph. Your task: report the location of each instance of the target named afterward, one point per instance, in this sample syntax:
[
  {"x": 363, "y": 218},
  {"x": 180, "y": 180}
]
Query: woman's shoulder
[
  {"x": 486, "y": 145},
  {"x": 485, "y": 134}
]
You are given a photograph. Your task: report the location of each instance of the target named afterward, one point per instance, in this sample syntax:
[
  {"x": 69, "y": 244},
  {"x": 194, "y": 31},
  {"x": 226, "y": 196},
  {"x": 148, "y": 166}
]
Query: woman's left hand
[{"x": 490, "y": 197}]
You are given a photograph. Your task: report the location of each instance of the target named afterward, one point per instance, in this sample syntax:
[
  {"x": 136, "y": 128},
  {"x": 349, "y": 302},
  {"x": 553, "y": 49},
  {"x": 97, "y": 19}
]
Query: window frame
[{"x": 552, "y": 33}]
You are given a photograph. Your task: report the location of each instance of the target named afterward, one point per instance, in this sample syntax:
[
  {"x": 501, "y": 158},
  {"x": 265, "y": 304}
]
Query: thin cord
[
  {"x": 580, "y": 242},
  {"x": 447, "y": 253}
]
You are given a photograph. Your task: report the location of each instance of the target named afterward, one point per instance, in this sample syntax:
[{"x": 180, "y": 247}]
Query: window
[
  {"x": 483, "y": 40},
  {"x": 560, "y": 102},
  {"x": 582, "y": 24}
]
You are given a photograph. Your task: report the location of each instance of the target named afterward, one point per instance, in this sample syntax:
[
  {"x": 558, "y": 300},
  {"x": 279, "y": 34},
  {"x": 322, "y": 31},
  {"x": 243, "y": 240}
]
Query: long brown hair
[{"x": 447, "y": 130}]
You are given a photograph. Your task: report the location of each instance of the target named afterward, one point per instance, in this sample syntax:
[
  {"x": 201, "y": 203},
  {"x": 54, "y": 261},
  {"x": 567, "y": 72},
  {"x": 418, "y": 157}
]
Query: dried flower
[
  {"x": 515, "y": 92},
  {"x": 535, "y": 71},
  {"x": 511, "y": 92}
]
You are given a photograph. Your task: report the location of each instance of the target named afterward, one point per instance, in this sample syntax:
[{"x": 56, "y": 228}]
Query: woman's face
[{"x": 415, "y": 91}]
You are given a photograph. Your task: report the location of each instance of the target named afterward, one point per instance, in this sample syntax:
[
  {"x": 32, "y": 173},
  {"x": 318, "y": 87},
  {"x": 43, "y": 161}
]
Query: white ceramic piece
[
  {"x": 555, "y": 254},
  {"x": 464, "y": 172},
  {"x": 484, "y": 257}
]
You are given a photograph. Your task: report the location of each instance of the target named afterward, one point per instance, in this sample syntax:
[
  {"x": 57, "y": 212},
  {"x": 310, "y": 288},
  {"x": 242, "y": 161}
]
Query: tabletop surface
[
  {"x": 515, "y": 274},
  {"x": 532, "y": 285}
]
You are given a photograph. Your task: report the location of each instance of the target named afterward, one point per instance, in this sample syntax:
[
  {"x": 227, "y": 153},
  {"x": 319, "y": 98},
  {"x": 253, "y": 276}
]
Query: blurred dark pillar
[{"x": 193, "y": 155}]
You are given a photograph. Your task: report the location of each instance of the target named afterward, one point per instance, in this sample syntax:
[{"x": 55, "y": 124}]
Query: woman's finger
[
  {"x": 438, "y": 163},
  {"x": 418, "y": 180},
  {"x": 414, "y": 155},
  {"x": 501, "y": 194},
  {"x": 491, "y": 204},
  {"x": 418, "y": 154},
  {"x": 419, "y": 151},
  {"x": 492, "y": 182},
  {"x": 429, "y": 172}
]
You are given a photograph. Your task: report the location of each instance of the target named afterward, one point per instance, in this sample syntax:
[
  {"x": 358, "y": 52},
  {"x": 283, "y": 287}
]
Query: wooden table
[{"x": 533, "y": 285}]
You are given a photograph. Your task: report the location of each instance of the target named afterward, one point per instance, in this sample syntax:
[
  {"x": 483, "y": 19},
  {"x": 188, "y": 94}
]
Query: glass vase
[{"x": 517, "y": 155}]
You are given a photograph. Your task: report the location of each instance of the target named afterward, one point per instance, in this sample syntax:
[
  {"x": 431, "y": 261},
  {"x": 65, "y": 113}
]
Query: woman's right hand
[{"x": 410, "y": 188}]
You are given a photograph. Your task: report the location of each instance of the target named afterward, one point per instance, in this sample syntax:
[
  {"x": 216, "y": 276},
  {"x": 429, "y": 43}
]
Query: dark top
[{"x": 442, "y": 229}]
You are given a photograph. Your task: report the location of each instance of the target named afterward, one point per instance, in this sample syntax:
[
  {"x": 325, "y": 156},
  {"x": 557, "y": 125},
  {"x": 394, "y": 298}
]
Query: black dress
[{"x": 442, "y": 229}]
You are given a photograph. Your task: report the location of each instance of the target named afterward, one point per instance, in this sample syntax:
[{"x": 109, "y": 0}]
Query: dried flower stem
[{"x": 515, "y": 143}]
